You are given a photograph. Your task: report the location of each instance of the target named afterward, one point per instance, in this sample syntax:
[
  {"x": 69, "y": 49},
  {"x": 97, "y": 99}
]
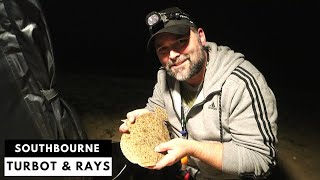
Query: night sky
[{"x": 109, "y": 38}]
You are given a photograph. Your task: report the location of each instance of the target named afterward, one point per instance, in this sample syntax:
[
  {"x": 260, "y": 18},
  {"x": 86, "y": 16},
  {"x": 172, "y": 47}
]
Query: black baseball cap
[{"x": 171, "y": 20}]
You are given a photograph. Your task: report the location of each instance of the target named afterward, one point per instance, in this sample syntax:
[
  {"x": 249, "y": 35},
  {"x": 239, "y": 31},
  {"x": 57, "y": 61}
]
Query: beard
[{"x": 190, "y": 67}]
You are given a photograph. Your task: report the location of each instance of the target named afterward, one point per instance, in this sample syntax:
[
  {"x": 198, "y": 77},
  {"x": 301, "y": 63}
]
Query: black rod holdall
[{"x": 30, "y": 106}]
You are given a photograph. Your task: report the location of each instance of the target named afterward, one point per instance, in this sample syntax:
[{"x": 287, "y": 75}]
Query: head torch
[{"x": 157, "y": 20}]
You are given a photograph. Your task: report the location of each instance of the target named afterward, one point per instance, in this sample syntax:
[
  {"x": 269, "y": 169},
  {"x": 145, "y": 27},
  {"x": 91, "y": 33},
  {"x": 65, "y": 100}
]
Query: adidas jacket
[{"x": 236, "y": 106}]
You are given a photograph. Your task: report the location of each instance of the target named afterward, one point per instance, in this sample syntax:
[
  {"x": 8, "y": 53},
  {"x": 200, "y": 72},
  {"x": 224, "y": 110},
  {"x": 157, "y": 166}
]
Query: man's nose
[{"x": 173, "y": 54}]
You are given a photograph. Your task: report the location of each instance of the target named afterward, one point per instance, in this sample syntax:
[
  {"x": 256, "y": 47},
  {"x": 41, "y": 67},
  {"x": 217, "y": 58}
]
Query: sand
[{"x": 102, "y": 101}]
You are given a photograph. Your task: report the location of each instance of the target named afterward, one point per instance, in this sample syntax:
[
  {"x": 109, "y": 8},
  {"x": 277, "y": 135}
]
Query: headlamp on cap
[{"x": 157, "y": 20}]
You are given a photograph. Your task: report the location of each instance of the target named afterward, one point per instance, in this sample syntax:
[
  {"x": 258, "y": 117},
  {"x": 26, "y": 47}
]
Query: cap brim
[{"x": 175, "y": 29}]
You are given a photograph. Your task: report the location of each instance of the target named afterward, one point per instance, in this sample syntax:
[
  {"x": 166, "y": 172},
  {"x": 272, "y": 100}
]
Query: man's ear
[{"x": 202, "y": 36}]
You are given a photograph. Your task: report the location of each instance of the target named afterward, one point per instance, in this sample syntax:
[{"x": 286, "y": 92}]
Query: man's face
[{"x": 182, "y": 56}]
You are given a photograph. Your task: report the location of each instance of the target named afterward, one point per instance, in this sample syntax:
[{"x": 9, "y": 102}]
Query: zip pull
[
  {"x": 184, "y": 174},
  {"x": 184, "y": 162}
]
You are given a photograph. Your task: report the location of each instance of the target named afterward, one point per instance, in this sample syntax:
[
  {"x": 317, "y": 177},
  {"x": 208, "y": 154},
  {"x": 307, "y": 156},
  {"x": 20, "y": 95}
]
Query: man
[{"x": 221, "y": 113}]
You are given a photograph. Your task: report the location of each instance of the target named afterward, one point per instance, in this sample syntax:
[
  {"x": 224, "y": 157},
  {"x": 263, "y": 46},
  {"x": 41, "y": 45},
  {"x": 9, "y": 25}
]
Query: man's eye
[
  {"x": 163, "y": 50},
  {"x": 177, "y": 46},
  {"x": 183, "y": 41}
]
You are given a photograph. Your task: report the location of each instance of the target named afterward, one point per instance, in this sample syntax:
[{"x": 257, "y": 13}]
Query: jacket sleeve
[
  {"x": 157, "y": 97},
  {"x": 252, "y": 115}
]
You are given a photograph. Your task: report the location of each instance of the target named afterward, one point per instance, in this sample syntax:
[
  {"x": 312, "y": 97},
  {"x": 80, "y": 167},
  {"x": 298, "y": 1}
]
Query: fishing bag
[{"x": 30, "y": 105}]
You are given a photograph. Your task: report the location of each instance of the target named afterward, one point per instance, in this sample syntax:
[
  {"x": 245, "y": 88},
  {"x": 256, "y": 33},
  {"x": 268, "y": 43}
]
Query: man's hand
[
  {"x": 175, "y": 149},
  {"x": 131, "y": 117}
]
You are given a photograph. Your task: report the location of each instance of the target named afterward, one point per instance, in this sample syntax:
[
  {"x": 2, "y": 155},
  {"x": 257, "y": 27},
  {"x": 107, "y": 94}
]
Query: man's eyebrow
[{"x": 176, "y": 39}]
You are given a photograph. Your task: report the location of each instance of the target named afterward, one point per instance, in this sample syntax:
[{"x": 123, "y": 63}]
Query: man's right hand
[{"x": 131, "y": 117}]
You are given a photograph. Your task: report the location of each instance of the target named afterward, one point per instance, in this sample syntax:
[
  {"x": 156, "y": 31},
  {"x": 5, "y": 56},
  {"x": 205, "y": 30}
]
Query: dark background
[
  {"x": 99, "y": 37},
  {"x": 94, "y": 40}
]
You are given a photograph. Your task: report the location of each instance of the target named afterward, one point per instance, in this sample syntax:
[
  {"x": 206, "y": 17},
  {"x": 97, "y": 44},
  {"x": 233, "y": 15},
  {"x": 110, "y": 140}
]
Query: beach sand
[{"x": 102, "y": 101}]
